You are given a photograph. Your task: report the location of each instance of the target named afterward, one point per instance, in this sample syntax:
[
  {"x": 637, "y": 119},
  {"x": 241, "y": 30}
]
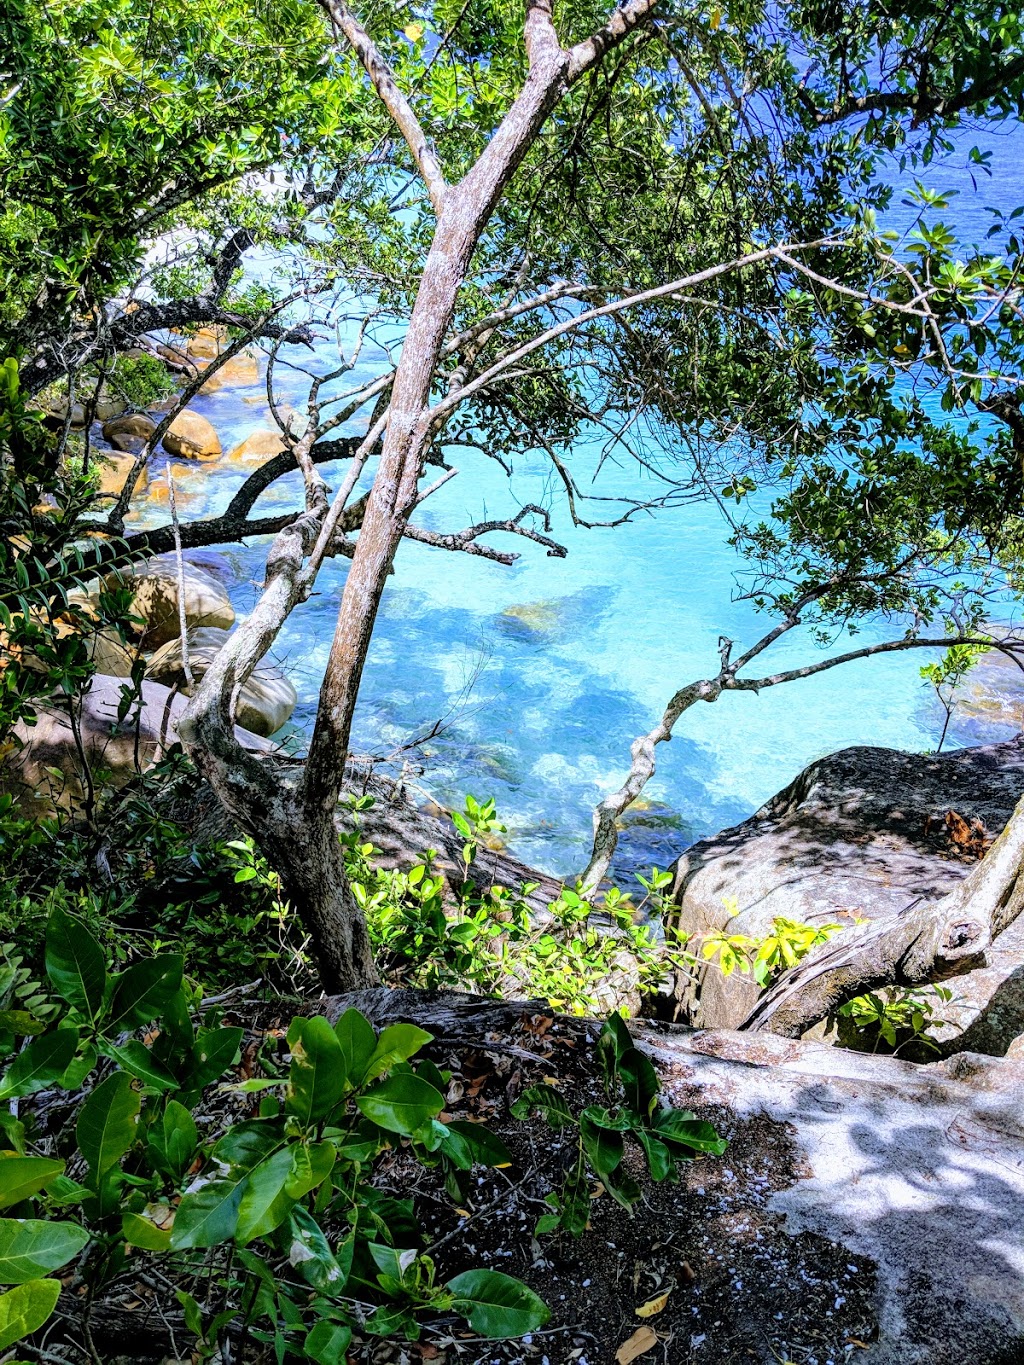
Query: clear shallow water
[{"x": 545, "y": 672}]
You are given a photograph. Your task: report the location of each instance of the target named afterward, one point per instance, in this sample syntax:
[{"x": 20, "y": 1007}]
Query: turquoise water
[{"x": 541, "y": 702}]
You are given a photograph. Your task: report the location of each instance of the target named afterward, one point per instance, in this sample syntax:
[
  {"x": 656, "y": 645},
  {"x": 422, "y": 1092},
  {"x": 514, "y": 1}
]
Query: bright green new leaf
[{"x": 24, "y": 1310}]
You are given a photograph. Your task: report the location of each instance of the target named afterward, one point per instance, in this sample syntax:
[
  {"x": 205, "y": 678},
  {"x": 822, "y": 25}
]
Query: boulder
[
  {"x": 46, "y": 772},
  {"x": 156, "y": 599},
  {"x": 861, "y": 834},
  {"x": 242, "y": 370},
  {"x": 114, "y": 468},
  {"x": 265, "y": 702},
  {"x": 207, "y": 343},
  {"x": 124, "y": 433},
  {"x": 260, "y": 446},
  {"x": 192, "y": 437},
  {"x": 111, "y": 655}
]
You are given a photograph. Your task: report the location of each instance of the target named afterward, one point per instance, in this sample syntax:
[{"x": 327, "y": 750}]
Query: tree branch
[{"x": 394, "y": 101}]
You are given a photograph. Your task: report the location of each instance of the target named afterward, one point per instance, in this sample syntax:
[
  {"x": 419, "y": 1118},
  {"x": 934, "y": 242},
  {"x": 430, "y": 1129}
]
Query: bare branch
[
  {"x": 467, "y": 541},
  {"x": 624, "y": 21},
  {"x": 394, "y": 101}
]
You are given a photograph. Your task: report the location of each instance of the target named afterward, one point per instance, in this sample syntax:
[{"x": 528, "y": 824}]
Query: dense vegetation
[{"x": 658, "y": 225}]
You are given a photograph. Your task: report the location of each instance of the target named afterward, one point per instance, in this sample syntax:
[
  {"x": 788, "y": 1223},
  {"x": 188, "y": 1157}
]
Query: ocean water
[{"x": 542, "y": 674}]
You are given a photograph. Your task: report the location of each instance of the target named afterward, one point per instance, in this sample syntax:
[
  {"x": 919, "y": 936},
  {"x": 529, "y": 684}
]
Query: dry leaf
[
  {"x": 638, "y": 1344},
  {"x": 653, "y": 1306}
]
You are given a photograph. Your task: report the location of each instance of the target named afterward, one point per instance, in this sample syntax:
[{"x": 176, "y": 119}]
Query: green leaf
[
  {"x": 141, "y": 992},
  {"x": 75, "y": 963},
  {"x": 207, "y": 1214},
  {"x": 310, "y": 1167},
  {"x": 173, "y": 1140},
  {"x": 482, "y": 1146},
  {"x": 678, "y": 1125},
  {"x": 317, "y": 1075},
  {"x": 136, "y": 1058},
  {"x": 212, "y": 1053},
  {"x": 21, "y": 1176},
  {"x": 265, "y": 1204},
  {"x": 247, "y": 1144},
  {"x": 138, "y": 1231},
  {"x": 604, "y": 1147},
  {"x": 639, "y": 1081},
  {"x": 550, "y": 1103},
  {"x": 40, "y": 1064},
  {"x": 311, "y": 1252},
  {"x": 25, "y": 1309},
  {"x": 327, "y": 1342},
  {"x": 397, "y": 1043},
  {"x": 401, "y": 1103},
  {"x": 496, "y": 1305},
  {"x": 358, "y": 1043},
  {"x": 31, "y": 1247},
  {"x": 660, "y": 1161},
  {"x": 107, "y": 1124}
]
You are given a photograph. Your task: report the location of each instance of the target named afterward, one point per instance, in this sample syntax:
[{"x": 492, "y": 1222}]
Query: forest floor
[{"x": 736, "y": 1286}]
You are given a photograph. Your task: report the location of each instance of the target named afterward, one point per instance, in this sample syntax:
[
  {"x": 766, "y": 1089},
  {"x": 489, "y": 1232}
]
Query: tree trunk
[
  {"x": 313, "y": 880},
  {"x": 926, "y": 944}
]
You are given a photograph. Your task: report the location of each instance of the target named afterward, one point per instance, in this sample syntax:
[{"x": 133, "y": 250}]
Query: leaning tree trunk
[{"x": 926, "y": 944}]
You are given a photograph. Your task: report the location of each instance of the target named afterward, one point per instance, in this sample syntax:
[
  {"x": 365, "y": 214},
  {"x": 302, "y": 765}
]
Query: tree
[{"x": 642, "y": 214}]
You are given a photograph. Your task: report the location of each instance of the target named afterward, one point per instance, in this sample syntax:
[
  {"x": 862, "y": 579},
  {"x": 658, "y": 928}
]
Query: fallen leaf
[
  {"x": 653, "y": 1306},
  {"x": 638, "y": 1344}
]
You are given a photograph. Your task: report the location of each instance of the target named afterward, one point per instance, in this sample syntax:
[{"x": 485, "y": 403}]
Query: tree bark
[{"x": 926, "y": 944}]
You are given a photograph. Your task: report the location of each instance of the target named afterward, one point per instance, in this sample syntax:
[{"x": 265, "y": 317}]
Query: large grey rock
[
  {"x": 46, "y": 771},
  {"x": 858, "y": 835},
  {"x": 264, "y": 703},
  {"x": 919, "y": 1168}
]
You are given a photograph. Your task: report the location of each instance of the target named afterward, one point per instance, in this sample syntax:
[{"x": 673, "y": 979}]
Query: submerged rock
[
  {"x": 858, "y": 835},
  {"x": 260, "y": 445},
  {"x": 265, "y": 702}
]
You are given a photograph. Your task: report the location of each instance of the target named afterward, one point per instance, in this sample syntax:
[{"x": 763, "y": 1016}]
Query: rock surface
[
  {"x": 866, "y": 1209},
  {"x": 47, "y": 771},
  {"x": 858, "y": 835},
  {"x": 156, "y": 599},
  {"x": 919, "y": 1168},
  {"x": 192, "y": 437},
  {"x": 265, "y": 702},
  {"x": 124, "y": 433},
  {"x": 261, "y": 445}
]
